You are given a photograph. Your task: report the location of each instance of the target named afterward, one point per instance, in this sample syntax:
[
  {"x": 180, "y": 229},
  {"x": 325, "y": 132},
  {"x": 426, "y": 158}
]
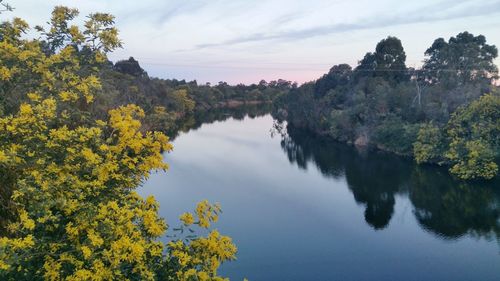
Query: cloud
[
  {"x": 445, "y": 10},
  {"x": 180, "y": 8},
  {"x": 162, "y": 12}
]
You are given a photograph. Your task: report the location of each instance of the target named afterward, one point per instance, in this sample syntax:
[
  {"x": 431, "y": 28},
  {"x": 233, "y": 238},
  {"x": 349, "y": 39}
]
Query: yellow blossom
[{"x": 187, "y": 218}]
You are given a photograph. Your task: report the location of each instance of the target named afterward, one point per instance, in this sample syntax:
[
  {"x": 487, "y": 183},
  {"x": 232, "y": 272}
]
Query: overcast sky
[{"x": 248, "y": 40}]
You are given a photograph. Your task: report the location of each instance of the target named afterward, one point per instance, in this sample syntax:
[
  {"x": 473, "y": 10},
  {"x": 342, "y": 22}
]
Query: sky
[{"x": 244, "y": 41}]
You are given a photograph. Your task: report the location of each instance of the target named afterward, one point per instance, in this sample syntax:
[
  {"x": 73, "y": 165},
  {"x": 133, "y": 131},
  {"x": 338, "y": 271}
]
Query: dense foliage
[
  {"x": 446, "y": 113},
  {"x": 168, "y": 102},
  {"x": 68, "y": 172},
  {"x": 80, "y": 53}
]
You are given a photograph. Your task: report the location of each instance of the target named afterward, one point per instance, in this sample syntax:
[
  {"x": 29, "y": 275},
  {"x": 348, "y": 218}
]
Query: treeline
[
  {"x": 447, "y": 112},
  {"x": 167, "y": 102}
]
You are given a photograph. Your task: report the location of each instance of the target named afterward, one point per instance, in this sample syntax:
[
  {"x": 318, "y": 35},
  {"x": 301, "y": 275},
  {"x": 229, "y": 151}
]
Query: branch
[{"x": 6, "y": 7}]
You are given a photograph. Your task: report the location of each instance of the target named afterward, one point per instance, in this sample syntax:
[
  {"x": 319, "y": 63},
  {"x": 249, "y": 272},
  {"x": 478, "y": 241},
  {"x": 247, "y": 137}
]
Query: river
[{"x": 303, "y": 208}]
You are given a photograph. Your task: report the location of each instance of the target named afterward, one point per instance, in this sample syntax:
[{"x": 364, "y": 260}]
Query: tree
[
  {"x": 339, "y": 75},
  {"x": 430, "y": 145},
  {"x": 474, "y": 135},
  {"x": 396, "y": 136},
  {"x": 463, "y": 59},
  {"x": 130, "y": 66},
  {"x": 68, "y": 186},
  {"x": 64, "y": 54},
  {"x": 388, "y": 61}
]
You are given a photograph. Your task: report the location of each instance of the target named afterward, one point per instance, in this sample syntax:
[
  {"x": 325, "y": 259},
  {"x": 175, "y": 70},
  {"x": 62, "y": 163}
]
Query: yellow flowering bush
[
  {"x": 474, "y": 134},
  {"x": 194, "y": 257},
  {"x": 67, "y": 185},
  {"x": 62, "y": 64}
]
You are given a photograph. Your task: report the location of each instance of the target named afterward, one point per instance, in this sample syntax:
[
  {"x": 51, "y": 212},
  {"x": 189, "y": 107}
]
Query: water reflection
[
  {"x": 304, "y": 208},
  {"x": 442, "y": 205},
  {"x": 452, "y": 209},
  {"x": 200, "y": 118}
]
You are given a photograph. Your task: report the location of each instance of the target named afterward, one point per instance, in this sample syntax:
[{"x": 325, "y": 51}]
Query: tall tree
[
  {"x": 339, "y": 75},
  {"x": 463, "y": 59},
  {"x": 388, "y": 61}
]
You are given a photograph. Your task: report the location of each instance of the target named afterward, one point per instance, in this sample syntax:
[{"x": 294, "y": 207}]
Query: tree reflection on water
[{"x": 442, "y": 205}]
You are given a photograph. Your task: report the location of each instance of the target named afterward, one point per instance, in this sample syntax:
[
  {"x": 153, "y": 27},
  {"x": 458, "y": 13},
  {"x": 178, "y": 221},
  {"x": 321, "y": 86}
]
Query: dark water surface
[{"x": 302, "y": 208}]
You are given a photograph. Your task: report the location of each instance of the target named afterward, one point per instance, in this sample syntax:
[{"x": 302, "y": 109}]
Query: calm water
[{"x": 301, "y": 208}]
